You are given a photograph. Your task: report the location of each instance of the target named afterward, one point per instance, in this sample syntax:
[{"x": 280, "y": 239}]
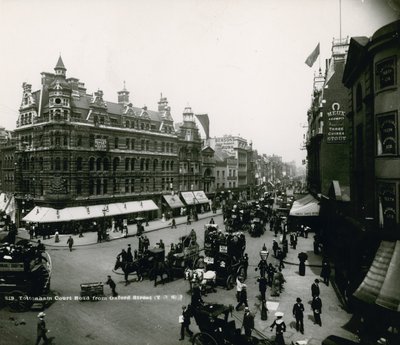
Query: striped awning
[{"x": 381, "y": 285}]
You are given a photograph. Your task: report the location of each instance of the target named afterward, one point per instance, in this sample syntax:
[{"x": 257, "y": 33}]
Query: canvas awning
[
  {"x": 4, "y": 201},
  {"x": 201, "y": 197},
  {"x": 305, "y": 207},
  {"x": 381, "y": 284},
  {"x": 173, "y": 201},
  {"x": 188, "y": 197},
  {"x": 51, "y": 215}
]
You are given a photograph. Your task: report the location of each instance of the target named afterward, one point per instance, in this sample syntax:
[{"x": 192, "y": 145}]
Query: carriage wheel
[
  {"x": 18, "y": 301},
  {"x": 230, "y": 282},
  {"x": 203, "y": 339}
]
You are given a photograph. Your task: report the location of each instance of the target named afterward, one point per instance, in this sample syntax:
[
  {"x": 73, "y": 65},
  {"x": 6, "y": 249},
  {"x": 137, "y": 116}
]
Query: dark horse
[
  {"x": 159, "y": 269},
  {"x": 129, "y": 267}
]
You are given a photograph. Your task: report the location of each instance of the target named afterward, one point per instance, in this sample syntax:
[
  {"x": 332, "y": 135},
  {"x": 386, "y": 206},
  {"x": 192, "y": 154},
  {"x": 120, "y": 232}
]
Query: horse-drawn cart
[
  {"x": 216, "y": 328},
  {"x": 186, "y": 254}
]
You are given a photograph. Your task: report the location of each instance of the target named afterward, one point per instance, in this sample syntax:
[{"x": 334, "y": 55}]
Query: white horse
[{"x": 203, "y": 278}]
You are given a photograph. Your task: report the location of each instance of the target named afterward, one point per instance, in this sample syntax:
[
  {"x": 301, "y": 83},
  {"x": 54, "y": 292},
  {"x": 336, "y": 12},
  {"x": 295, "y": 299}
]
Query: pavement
[
  {"x": 90, "y": 238},
  {"x": 335, "y": 318}
]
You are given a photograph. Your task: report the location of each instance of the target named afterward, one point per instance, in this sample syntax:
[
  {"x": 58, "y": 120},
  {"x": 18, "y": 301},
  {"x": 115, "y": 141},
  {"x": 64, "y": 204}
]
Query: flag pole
[{"x": 340, "y": 20}]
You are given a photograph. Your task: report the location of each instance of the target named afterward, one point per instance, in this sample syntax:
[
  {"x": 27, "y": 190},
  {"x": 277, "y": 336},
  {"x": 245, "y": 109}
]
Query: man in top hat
[
  {"x": 316, "y": 306},
  {"x": 248, "y": 322},
  {"x": 280, "y": 328},
  {"x": 41, "y": 329},
  {"x": 315, "y": 288},
  {"x": 298, "y": 314}
]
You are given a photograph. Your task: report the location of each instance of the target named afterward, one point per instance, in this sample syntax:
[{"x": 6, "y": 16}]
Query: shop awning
[
  {"x": 173, "y": 201},
  {"x": 305, "y": 207},
  {"x": 201, "y": 197},
  {"x": 188, "y": 197},
  {"x": 381, "y": 284},
  {"x": 4, "y": 201},
  {"x": 51, "y": 215}
]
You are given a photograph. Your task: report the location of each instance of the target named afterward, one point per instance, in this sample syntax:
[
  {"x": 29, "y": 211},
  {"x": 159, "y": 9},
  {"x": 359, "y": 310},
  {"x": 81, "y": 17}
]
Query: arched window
[
  {"x": 106, "y": 164},
  {"x": 167, "y": 165},
  {"x": 127, "y": 124},
  {"x": 58, "y": 139},
  {"x": 133, "y": 162},
  {"x": 115, "y": 163},
  {"x": 79, "y": 163},
  {"x": 65, "y": 164},
  {"x": 167, "y": 147},
  {"x": 58, "y": 163},
  {"x": 132, "y": 185},
  {"x": 147, "y": 164},
  {"x": 155, "y": 165},
  {"x": 162, "y": 165},
  {"x": 127, "y": 185},
  {"x": 132, "y": 144},
  {"x": 127, "y": 143},
  {"x": 127, "y": 163},
  {"x": 142, "y": 164},
  {"x": 98, "y": 164},
  {"x": 91, "y": 164},
  {"x": 172, "y": 166},
  {"x": 98, "y": 186},
  {"x": 105, "y": 186}
]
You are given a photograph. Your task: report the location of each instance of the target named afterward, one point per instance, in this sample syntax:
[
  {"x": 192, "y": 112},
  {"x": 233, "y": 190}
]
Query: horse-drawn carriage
[
  {"x": 151, "y": 264},
  {"x": 224, "y": 254},
  {"x": 184, "y": 255},
  {"x": 257, "y": 227},
  {"x": 25, "y": 274},
  {"x": 216, "y": 328}
]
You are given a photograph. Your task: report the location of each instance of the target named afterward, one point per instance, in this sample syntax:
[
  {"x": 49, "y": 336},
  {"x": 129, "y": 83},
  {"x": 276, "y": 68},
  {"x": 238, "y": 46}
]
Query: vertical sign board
[
  {"x": 387, "y": 205},
  {"x": 386, "y": 134},
  {"x": 336, "y": 125},
  {"x": 385, "y": 72}
]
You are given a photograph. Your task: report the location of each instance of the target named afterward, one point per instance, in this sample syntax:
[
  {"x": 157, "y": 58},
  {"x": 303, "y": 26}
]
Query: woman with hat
[
  {"x": 41, "y": 329},
  {"x": 280, "y": 328}
]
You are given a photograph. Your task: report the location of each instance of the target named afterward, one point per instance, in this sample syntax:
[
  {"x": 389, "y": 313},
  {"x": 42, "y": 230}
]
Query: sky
[{"x": 239, "y": 61}]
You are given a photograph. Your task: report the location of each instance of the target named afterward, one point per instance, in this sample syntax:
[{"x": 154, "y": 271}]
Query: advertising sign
[
  {"x": 100, "y": 144},
  {"x": 387, "y": 205},
  {"x": 386, "y": 135},
  {"x": 385, "y": 73},
  {"x": 336, "y": 125}
]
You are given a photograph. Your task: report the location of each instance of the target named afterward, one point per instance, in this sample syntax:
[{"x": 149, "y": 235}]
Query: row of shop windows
[{"x": 99, "y": 164}]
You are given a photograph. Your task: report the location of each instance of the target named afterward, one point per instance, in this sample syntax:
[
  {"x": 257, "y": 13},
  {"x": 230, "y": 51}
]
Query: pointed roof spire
[{"x": 60, "y": 64}]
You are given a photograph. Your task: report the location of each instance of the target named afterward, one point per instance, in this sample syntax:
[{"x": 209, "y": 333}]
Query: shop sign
[
  {"x": 386, "y": 135},
  {"x": 336, "y": 125},
  {"x": 223, "y": 249},
  {"x": 100, "y": 144}
]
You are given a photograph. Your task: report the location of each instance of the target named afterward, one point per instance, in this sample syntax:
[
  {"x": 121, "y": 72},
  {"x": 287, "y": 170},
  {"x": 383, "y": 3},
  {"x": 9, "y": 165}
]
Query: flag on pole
[
  {"x": 313, "y": 56},
  {"x": 205, "y": 122}
]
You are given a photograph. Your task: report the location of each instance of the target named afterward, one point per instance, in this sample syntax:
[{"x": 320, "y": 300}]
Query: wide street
[{"x": 150, "y": 315}]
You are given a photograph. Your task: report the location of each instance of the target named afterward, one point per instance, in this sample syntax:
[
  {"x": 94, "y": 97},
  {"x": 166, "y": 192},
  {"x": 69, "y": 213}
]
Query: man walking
[
  {"x": 184, "y": 320},
  {"x": 41, "y": 329},
  {"x": 316, "y": 306},
  {"x": 112, "y": 285},
  {"x": 70, "y": 243},
  {"x": 242, "y": 298},
  {"x": 326, "y": 271},
  {"x": 248, "y": 322},
  {"x": 298, "y": 314},
  {"x": 129, "y": 255},
  {"x": 315, "y": 288}
]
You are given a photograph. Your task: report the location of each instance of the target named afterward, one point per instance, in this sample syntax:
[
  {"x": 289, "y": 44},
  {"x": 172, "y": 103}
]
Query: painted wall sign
[
  {"x": 386, "y": 135},
  {"x": 100, "y": 144},
  {"x": 336, "y": 133}
]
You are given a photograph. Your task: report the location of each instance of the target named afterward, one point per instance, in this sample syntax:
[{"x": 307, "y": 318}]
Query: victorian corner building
[
  {"x": 73, "y": 152},
  {"x": 354, "y": 171}
]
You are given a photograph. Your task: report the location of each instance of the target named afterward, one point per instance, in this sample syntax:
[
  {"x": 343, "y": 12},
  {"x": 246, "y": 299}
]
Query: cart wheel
[
  {"x": 203, "y": 339},
  {"x": 18, "y": 301},
  {"x": 230, "y": 282}
]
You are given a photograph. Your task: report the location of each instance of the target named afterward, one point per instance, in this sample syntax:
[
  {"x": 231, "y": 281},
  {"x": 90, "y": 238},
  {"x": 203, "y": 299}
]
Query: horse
[
  {"x": 161, "y": 268},
  {"x": 201, "y": 277},
  {"x": 129, "y": 267}
]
